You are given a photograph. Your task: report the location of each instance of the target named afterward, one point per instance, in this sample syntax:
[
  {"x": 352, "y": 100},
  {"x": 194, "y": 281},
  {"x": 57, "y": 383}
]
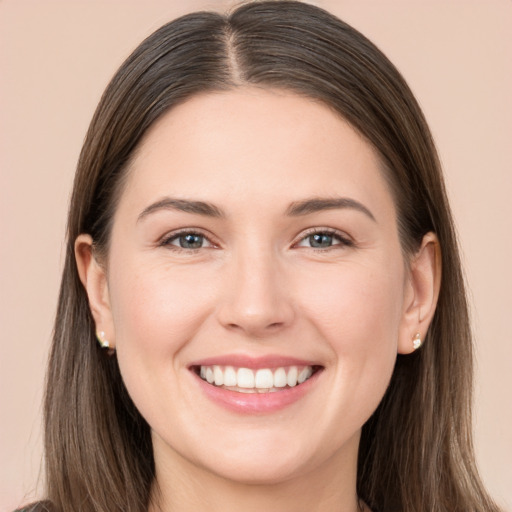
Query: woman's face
[{"x": 255, "y": 245}]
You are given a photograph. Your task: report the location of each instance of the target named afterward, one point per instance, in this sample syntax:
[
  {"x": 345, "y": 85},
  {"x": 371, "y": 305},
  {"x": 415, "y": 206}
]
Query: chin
[
  {"x": 269, "y": 470},
  {"x": 277, "y": 459}
]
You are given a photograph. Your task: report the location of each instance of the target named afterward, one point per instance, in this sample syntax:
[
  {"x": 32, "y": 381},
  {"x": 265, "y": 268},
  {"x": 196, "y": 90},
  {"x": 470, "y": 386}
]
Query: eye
[
  {"x": 187, "y": 240},
  {"x": 324, "y": 239}
]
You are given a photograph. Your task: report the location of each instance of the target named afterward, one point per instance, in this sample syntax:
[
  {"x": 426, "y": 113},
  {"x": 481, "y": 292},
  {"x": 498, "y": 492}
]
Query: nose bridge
[{"x": 256, "y": 301}]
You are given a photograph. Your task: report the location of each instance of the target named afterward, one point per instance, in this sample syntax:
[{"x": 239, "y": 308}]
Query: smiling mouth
[{"x": 263, "y": 380}]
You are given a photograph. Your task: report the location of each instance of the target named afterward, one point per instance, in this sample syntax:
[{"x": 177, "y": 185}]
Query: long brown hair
[{"x": 416, "y": 452}]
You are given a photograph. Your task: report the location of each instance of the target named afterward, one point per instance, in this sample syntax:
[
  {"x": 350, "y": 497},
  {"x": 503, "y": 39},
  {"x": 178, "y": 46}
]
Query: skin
[{"x": 257, "y": 287}]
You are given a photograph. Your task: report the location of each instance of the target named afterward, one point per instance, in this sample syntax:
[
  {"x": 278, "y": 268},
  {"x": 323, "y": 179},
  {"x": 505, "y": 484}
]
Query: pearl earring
[
  {"x": 101, "y": 340},
  {"x": 416, "y": 342}
]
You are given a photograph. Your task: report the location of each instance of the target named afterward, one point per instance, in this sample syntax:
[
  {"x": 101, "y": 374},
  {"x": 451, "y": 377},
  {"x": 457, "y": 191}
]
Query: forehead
[{"x": 252, "y": 144}]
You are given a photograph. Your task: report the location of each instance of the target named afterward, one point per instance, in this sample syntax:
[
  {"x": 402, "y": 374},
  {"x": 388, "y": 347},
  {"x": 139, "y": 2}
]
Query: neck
[{"x": 181, "y": 486}]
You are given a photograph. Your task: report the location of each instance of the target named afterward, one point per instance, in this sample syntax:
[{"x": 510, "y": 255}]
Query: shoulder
[{"x": 38, "y": 506}]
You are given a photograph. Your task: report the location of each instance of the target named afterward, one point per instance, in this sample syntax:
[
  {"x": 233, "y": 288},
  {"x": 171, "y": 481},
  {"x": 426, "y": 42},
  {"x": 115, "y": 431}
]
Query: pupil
[
  {"x": 321, "y": 240},
  {"x": 191, "y": 241}
]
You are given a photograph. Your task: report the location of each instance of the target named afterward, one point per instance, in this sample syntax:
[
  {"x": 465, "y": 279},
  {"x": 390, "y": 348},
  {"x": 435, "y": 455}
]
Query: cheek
[
  {"x": 158, "y": 310},
  {"x": 359, "y": 315},
  {"x": 156, "y": 313},
  {"x": 357, "y": 300}
]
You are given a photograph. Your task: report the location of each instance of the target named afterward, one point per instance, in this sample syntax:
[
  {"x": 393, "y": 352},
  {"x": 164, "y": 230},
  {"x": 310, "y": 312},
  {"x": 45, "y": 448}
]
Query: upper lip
[{"x": 255, "y": 363}]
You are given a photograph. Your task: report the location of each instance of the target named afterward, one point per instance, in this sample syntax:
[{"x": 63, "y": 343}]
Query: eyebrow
[
  {"x": 295, "y": 209},
  {"x": 318, "y": 204},
  {"x": 182, "y": 205}
]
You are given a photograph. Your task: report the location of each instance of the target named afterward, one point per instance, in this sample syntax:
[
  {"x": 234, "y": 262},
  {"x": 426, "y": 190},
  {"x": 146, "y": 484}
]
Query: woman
[{"x": 258, "y": 227}]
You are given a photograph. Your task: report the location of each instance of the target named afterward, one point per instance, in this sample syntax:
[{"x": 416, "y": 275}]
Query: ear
[
  {"x": 421, "y": 293},
  {"x": 94, "y": 279}
]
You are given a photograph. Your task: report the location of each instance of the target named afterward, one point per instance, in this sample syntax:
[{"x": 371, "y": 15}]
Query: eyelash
[
  {"x": 166, "y": 241},
  {"x": 343, "y": 240}
]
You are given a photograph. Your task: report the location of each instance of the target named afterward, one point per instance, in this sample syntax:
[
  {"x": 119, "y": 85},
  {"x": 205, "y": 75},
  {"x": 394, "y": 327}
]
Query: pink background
[{"x": 56, "y": 58}]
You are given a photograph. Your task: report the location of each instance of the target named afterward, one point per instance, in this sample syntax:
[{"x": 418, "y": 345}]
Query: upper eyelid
[
  {"x": 194, "y": 231},
  {"x": 331, "y": 231},
  {"x": 178, "y": 232}
]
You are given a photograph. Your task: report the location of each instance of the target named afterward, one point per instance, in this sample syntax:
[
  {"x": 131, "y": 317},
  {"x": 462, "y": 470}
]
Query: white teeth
[
  {"x": 304, "y": 374},
  {"x": 245, "y": 378},
  {"x": 248, "y": 390},
  {"x": 218, "y": 375},
  {"x": 229, "y": 376},
  {"x": 264, "y": 380},
  {"x": 279, "y": 378},
  {"x": 291, "y": 378}
]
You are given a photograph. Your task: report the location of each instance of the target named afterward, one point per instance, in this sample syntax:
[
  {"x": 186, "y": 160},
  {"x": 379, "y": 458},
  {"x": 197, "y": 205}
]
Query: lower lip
[{"x": 257, "y": 403}]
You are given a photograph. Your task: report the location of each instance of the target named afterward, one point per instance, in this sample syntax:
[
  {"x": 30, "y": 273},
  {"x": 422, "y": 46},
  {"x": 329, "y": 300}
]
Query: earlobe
[
  {"x": 421, "y": 296},
  {"x": 94, "y": 279}
]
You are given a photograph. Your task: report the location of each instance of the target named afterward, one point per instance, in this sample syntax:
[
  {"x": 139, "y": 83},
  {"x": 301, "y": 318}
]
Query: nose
[{"x": 256, "y": 299}]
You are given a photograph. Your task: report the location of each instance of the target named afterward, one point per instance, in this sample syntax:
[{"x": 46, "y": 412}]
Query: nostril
[{"x": 251, "y": 328}]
